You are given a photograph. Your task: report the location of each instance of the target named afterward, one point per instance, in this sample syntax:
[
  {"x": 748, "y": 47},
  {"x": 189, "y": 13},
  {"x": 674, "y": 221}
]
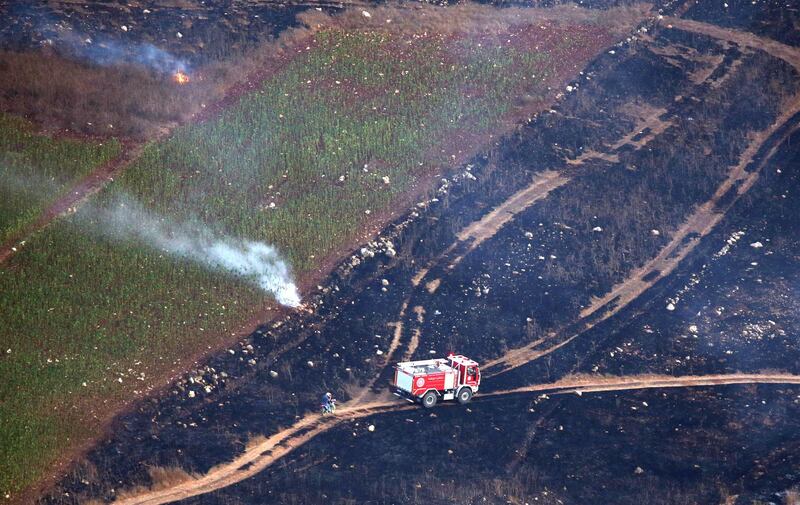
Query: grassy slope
[
  {"x": 36, "y": 169},
  {"x": 84, "y": 317}
]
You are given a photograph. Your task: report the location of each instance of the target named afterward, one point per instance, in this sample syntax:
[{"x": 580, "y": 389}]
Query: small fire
[{"x": 180, "y": 77}]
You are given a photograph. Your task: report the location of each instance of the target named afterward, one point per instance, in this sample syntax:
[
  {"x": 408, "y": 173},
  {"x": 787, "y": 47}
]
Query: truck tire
[
  {"x": 464, "y": 395},
  {"x": 429, "y": 399}
]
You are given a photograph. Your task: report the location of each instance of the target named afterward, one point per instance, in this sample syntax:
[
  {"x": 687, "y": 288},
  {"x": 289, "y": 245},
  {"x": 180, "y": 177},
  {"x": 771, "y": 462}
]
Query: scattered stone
[
  {"x": 693, "y": 328},
  {"x": 310, "y": 364},
  {"x": 371, "y": 427},
  {"x": 528, "y": 235},
  {"x": 756, "y": 245},
  {"x": 655, "y": 233},
  {"x": 385, "y": 282},
  {"x": 191, "y": 394},
  {"x": 366, "y": 14},
  {"x": 670, "y": 307},
  {"x": 638, "y": 470},
  {"x": 597, "y": 228}
]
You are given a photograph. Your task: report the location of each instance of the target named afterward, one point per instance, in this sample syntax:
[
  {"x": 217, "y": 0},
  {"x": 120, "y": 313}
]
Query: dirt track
[
  {"x": 263, "y": 454},
  {"x": 77, "y": 194},
  {"x": 490, "y": 224}
]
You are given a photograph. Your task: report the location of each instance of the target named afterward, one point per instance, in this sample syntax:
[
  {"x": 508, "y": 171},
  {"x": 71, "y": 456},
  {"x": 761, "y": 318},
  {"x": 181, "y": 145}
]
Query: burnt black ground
[
  {"x": 696, "y": 445},
  {"x": 654, "y": 187},
  {"x": 208, "y": 31},
  {"x": 776, "y": 19}
]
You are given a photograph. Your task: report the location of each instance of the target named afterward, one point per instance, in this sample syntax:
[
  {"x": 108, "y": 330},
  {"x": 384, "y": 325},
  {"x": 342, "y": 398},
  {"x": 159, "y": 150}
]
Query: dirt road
[
  {"x": 261, "y": 455},
  {"x": 76, "y": 196}
]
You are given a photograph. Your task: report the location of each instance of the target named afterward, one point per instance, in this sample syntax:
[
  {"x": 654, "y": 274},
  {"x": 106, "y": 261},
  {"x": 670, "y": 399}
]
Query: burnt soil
[{"x": 529, "y": 281}]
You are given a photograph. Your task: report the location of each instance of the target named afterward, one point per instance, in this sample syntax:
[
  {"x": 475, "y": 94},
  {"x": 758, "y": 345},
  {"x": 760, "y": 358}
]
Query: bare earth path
[
  {"x": 260, "y": 456},
  {"x": 700, "y": 223},
  {"x": 77, "y": 195}
]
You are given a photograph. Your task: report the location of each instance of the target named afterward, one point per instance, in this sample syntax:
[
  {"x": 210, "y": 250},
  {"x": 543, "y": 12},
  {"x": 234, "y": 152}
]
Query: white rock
[
  {"x": 191, "y": 394},
  {"x": 569, "y": 89},
  {"x": 273, "y": 374},
  {"x": 528, "y": 234},
  {"x": 597, "y": 228},
  {"x": 384, "y": 282},
  {"x": 693, "y": 328},
  {"x": 655, "y": 232},
  {"x": 371, "y": 427},
  {"x": 310, "y": 364},
  {"x": 756, "y": 245},
  {"x": 179, "y": 35},
  {"x": 366, "y": 14},
  {"x": 385, "y": 179},
  {"x": 379, "y": 352},
  {"x": 124, "y": 28},
  {"x": 670, "y": 307}
]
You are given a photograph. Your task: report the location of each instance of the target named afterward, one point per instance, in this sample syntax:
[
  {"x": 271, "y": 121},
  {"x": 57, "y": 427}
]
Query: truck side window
[{"x": 471, "y": 371}]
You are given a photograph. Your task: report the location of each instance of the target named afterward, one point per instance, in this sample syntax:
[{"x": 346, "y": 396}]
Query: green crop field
[
  {"x": 36, "y": 169},
  {"x": 346, "y": 125},
  {"x": 342, "y": 131}
]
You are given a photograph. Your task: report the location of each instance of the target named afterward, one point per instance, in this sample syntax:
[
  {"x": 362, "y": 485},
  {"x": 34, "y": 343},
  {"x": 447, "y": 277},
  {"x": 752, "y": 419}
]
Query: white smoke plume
[
  {"x": 257, "y": 262},
  {"x": 106, "y": 51}
]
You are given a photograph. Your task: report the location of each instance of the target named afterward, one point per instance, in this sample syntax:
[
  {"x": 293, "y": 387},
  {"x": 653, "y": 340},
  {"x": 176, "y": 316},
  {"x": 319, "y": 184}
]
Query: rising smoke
[
  {"x": 257, "y": 262},
  {"x": 106, "y": 51}
]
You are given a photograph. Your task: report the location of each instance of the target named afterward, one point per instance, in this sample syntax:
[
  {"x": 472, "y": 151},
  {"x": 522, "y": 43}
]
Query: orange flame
[{"x": 180, "y": 77}]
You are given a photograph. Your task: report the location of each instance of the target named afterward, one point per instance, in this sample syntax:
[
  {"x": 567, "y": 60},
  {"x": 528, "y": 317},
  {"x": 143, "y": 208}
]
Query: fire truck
[{"x": 431, "y": 380}]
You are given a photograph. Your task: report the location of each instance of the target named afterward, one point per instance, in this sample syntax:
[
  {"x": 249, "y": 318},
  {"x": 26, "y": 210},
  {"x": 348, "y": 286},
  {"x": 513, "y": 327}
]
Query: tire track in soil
[{"x": 262, "y": 455}]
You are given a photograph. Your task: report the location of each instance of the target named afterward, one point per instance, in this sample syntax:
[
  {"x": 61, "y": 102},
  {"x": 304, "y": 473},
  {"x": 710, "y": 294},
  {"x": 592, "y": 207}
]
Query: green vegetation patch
[
  {"x": 346, "y": 127},
  {"x": 36, "y": 169}
]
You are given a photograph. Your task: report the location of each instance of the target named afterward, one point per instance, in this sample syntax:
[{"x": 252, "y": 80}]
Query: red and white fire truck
[{"x": 431, "y": 380}]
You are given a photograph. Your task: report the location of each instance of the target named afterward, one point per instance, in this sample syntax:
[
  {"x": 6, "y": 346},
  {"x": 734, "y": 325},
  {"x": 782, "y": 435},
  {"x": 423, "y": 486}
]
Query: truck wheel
[
  {"x": 429, "y": 399},
  {"x": 464, "y": 396}
]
